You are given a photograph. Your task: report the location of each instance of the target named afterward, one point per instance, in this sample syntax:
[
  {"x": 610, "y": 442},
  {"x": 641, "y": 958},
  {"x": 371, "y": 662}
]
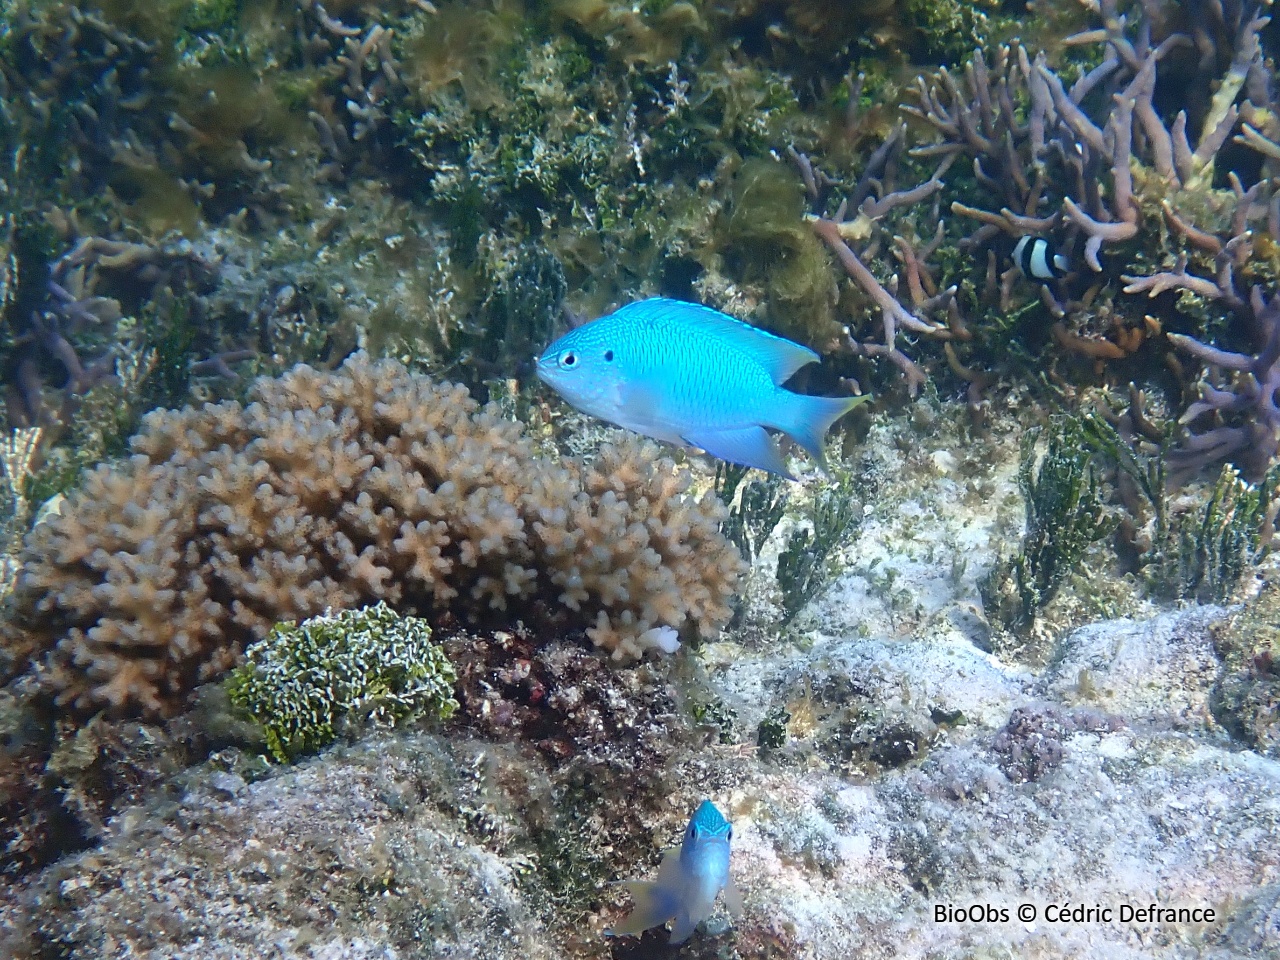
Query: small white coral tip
[{"x": 662, "y": 638}]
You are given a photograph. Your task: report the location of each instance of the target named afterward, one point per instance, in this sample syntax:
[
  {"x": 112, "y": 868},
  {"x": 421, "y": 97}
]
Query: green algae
[
  {"x": 303, "y": 683},
  {"x": 1246, "y": 697},
  {"x": 766, "y": 232},
  {"x": 1065, "y": 515}
]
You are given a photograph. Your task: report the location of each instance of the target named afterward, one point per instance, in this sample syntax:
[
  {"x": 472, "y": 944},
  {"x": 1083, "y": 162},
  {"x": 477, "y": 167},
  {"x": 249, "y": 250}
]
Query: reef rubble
[
  {"x": 916, "y": 765},
  {"x": 401, "y": 841}
]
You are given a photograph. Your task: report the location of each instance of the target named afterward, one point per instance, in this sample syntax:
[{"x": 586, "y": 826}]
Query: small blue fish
[
  {"x": 689, "y": 880},
  {"x": 687, "y": 374}
]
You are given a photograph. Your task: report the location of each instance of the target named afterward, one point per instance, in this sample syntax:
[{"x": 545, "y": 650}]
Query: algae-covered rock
[
  {"x": 376, "y": 852},
  {"x": 1246, "y": 699},
  {"x": 410, "y": 844}
]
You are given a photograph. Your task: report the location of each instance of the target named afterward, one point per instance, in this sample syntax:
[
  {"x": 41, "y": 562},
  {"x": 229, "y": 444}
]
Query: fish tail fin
[
  {"x": 655, "y": 904},
  {"x": 806, "y": 419}
]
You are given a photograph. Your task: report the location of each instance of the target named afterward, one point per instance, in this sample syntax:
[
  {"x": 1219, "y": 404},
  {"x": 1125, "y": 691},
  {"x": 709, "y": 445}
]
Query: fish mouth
[{"x": 540, "y": 368}]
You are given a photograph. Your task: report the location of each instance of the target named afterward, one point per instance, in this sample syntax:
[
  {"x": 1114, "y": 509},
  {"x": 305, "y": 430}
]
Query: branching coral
[
  {"x": 334, "y": 490},
  {"x": 933, "y": 312},
  {"x": 1125, "y": 141},
  {"x": 1250, "y": 400},
  {"x": 1099, "y": 163},
  {"x": 123, "y": 126},
  {"x": 82, "y": 307}
]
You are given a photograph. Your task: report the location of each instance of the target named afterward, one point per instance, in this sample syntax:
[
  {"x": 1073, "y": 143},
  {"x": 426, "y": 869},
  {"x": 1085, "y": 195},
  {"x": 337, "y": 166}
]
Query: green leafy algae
[
  {"x": 755, "y": 511},
  {"x": 809, "y": 562},
  {"x": 303, "y": 682},
  {"x": 1065, "y": 516},
  {"x": 772, "y": 732},
  {"x": 1198, "y": 554}
]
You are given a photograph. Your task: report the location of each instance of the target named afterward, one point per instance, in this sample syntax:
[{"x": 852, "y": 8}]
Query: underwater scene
[{"x": 637, "y": 479}]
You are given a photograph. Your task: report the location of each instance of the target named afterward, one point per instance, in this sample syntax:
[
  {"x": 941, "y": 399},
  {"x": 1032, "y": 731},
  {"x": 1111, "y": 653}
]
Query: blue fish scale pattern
[{"x": 717, "y": 395}]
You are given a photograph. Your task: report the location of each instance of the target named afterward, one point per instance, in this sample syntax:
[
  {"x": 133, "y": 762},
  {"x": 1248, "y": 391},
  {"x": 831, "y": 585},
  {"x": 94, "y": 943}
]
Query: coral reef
[
  {"x": 337, "y": 173},
  {"x": 307, "y": 682},
  {"x": 408, "y": 841},
  {"x": 195, "y": 194},
  {"x": 1101, "y": 166},
  {"x": 332, "y": 490},
  {"x": 1254, "y": 439}
]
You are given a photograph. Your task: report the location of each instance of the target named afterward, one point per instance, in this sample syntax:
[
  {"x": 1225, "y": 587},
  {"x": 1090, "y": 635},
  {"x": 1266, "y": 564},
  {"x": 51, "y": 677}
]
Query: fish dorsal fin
[{"x": 779, "y": 356}]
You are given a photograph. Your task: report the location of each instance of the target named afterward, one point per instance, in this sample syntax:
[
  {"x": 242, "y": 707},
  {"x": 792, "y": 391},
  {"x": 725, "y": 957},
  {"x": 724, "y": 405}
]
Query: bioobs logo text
[
  {"x": 1078, "y": 913},
  {"x": 974, "y": 913}
]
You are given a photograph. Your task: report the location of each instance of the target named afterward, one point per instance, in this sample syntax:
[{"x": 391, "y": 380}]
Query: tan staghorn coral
[{"x": 336, "y": 490}]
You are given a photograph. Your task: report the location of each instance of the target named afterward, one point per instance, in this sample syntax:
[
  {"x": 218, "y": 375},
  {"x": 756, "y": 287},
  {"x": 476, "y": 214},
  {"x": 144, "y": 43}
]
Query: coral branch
[{"x": 829, "y": 231}]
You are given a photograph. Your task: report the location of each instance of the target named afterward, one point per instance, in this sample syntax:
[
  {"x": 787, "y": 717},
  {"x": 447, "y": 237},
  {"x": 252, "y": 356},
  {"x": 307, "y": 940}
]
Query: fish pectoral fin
[
  {"x": 749, "y": 446},
  {"x": 639, "y": 403},
  {"x": 669, "y": 869},
  {"x": 733, "y": 898},
  {"x": 684, "y": 926},
  {"x": 654, "y": 906}
]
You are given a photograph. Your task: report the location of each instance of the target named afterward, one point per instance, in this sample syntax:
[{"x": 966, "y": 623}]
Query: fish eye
[
  {"x": 608, "y": 356},
  {"x": 568, "y": 359},
  {"x": 729, "y": 835},
  {"x": 693, "y": 832}
]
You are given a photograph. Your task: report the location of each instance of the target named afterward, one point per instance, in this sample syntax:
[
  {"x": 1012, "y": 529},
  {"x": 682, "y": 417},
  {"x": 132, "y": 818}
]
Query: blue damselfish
[
  {"x": 687, "y": 374},
  {"x": 689, "y": 880}
]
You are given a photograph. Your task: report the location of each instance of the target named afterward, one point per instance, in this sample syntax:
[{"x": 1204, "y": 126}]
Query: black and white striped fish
[{"x": 1036, "y": 259}]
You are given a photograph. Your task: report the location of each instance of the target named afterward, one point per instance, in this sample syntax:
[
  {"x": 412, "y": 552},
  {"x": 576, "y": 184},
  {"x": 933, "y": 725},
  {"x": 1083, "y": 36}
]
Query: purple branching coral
[
  {"x": 896, "y": 316},
  {"x": 1235, "y": 416},
  {"x": 361, "y": 67},
  {"x": 76, "y": 324},
  {"x": 933, "y": 312},
  {"x": 1245, "y": 419},
  {"x": 1097, "y": 167},
  {"x": 1066, "y": 139}
]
